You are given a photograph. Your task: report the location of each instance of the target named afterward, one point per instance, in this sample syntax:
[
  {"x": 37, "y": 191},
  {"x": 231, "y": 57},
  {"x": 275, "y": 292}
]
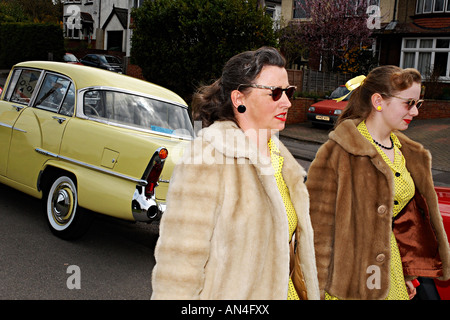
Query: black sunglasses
[{"x": 277, "y": 92}]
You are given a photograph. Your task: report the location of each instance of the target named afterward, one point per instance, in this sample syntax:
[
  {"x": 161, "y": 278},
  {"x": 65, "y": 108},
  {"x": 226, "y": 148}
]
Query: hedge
[{"x": 30, "y": 41}]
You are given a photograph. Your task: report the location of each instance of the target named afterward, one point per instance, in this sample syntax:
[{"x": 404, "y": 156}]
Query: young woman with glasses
[
  {"x": 375, "y": 214},
  {"x": 237, "y": 196}
]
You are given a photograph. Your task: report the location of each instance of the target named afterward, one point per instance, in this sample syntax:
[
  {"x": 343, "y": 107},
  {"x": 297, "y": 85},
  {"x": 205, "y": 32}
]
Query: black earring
[{"x": 241, "y": 108}]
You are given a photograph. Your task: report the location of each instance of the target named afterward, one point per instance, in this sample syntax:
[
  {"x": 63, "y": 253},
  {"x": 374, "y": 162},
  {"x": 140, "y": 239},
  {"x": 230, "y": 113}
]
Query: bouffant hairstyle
[{"x": 213, "y": 102}]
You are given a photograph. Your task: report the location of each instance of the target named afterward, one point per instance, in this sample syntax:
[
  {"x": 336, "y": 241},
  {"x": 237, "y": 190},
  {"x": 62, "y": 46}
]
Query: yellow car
[{"x": 85, "y": 138}]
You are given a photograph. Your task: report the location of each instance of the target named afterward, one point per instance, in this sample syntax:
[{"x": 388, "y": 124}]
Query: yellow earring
[{"x": 379, "y": 108}]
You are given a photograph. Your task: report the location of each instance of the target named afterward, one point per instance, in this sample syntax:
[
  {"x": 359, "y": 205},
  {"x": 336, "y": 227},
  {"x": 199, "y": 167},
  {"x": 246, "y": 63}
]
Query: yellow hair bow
[{"x": 351, "y": 85}]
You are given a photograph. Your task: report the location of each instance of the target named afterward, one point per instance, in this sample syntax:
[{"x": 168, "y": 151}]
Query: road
[{"x": 114, "y": 260}]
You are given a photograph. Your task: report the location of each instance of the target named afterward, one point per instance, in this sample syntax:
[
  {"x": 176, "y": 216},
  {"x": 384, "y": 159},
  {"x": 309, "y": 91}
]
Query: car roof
[{"x": 84, "y": 76}]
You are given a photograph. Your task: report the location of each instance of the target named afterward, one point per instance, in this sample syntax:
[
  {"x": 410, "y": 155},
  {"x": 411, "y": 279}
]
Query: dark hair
[
  {"x": 385, "y": 80},
  {"x": 213, "y": 102}
]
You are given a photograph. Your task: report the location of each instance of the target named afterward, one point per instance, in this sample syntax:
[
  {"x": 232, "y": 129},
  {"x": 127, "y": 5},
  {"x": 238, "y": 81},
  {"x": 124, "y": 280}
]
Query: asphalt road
[{"x": 114, "y": 258}]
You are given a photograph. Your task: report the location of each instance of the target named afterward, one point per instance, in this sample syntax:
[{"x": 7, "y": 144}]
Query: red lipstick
[
  {"x": 281, "y": 116},
  {"x": 408, "y": 121}
]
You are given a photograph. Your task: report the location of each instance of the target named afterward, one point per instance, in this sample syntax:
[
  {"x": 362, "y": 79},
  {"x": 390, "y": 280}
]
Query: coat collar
[
  {"x": 350, "y": 139},
  {"x": 228, "y": 139}
]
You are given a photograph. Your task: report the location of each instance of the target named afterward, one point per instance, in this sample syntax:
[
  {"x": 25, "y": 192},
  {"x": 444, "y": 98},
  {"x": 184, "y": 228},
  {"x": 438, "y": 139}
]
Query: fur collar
[
  {"x": 349, "y": 138},
  {"x": 418, "y": 159},
  {"x": 228, "y": 139}
]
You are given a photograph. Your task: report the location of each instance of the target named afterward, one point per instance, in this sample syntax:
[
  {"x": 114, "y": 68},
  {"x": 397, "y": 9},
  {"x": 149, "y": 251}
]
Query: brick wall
[
  {"x": 297, "y": 113},
  {"x": 433, "y": 109}
]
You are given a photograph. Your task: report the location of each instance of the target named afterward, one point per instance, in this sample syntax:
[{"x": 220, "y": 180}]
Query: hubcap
[{"x": 62, "y": 204}]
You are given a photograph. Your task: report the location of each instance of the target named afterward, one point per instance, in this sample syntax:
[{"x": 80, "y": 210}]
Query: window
[
  {"x": 431, "y": 56},
  {"x": 439, "y": 5},
  {"x": 432, "y": 6},
  {"x": 53, "y": 93},
  {"x": 299, "y": 11},
  {"x": 22, "y": 85},
  {"x": 137, "y": 111}
]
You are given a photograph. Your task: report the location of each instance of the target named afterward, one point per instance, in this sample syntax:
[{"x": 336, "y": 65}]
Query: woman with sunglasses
[
  {"x": 375, "y": 214},
  {"x": 238, "y": 195}
]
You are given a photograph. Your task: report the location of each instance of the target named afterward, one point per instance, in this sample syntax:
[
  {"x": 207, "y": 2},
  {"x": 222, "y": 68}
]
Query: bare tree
[{"x": 333, "y": 29}]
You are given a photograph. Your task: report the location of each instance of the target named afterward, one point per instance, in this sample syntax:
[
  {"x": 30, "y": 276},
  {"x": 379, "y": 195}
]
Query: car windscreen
[
  {"x": 340, "y": 92},
  {"x": 138, "y": 111}
]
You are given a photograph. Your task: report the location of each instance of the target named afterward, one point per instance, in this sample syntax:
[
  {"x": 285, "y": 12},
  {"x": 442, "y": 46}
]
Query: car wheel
[{"x": 66, "y": 220}]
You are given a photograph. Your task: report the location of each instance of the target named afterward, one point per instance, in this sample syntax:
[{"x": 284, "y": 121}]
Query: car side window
[
  {"x": 137, "y": 111},
  {"x": 69, "y": 102},
  {"x": 22, "y": 85},
  {"x": 53, "y": 92}
]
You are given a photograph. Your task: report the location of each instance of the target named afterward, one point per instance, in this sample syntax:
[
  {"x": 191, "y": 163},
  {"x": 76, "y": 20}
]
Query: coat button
[
  {"x": 382, "y": 209},
  {"x": 380, "y": 257}
]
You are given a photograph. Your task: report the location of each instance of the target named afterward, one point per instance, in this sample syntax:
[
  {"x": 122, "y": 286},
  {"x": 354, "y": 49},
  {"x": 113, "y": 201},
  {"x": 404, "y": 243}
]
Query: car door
[
  {"x": 19, "y": 92},
  {"x": 40, "y": 128}
]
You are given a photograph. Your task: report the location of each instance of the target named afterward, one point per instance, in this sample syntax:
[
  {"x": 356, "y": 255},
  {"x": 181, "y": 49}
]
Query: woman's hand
[{"x": 411, "y": 289}]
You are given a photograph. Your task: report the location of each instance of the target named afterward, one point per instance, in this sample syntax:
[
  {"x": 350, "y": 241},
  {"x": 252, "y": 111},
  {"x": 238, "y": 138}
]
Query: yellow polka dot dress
[
  {"x": 277, "y": 164},
  {"x": 404, "y": 190}
]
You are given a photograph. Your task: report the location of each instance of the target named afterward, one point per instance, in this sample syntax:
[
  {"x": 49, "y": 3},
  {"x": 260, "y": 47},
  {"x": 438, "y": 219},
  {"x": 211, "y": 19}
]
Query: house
[
  {"x": 104, "y": 24},
  {"x": 418, "y": 36},
  {"x": 408, "y": 33}
]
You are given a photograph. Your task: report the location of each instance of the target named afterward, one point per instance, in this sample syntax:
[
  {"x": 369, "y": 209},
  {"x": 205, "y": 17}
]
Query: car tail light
[{"x": 153, "y": 171}]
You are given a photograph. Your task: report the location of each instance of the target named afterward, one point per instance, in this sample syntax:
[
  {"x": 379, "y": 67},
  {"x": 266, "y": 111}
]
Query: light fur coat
[
  {"x": 224, "y": 234},
  {"x": 351, "y": 191}
]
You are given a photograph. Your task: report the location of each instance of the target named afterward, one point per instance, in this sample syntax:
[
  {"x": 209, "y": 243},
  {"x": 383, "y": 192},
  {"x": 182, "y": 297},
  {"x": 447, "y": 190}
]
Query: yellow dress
[
  {"x": 404, "y": 190},
  {"x": 277, "y": 164}
]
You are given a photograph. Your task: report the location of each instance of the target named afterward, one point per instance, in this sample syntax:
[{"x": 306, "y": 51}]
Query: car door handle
[
  {"x": 18, "y": 108},
  {"x": 59, "y": 119}
]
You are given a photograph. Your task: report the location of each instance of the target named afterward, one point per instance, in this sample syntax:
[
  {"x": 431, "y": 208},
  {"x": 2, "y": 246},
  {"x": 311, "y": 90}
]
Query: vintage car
[{"x": 84, "y": 138}]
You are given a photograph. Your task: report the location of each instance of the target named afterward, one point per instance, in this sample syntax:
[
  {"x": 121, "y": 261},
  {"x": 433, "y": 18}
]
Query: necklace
[{"x": 384, "y": 147}]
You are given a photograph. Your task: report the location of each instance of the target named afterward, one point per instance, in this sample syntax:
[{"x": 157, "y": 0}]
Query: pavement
[{"x": 433, "y": 134}]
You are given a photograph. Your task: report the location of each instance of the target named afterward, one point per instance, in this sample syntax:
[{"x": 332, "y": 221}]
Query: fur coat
[
  {"x": 224, "y": 234},
  {"x": 351, "y": 191}
]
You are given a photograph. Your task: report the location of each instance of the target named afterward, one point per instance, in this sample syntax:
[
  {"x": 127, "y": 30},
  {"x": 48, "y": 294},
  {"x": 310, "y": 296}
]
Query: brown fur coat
[
  {"x": 352, "y": 194},
  {"x": 224, "y": 234}
]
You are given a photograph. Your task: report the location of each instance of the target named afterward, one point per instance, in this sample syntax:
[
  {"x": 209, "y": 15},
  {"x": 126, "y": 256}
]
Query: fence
[{"x": 321, "y": 82}]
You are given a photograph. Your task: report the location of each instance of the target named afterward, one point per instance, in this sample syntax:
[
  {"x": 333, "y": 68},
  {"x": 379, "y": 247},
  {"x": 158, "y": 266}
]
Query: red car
[
  {"x": 327, "y": 111},
  {"x": 443, "y": 194}
]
